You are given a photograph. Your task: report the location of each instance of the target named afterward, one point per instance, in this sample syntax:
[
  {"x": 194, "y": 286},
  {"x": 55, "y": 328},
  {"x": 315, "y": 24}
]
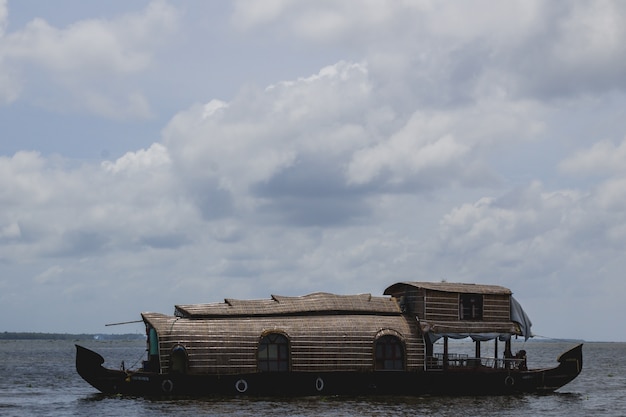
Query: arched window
[
  {"x": 178, "y": 359},
  {"x": 389, "y": 353},
  {"x": 274, "y": 353}
]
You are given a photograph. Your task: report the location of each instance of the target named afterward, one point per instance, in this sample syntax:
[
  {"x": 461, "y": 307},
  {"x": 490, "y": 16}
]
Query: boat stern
[{"x": 89, "y": 367}]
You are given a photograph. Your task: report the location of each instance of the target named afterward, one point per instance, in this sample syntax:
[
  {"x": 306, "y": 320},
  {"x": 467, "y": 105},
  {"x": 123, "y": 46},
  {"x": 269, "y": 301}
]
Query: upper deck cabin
[
  {"x": 443, "y": 307},
  {"x": 458, "y": 310},
  {"x": 443, "y": 301}
]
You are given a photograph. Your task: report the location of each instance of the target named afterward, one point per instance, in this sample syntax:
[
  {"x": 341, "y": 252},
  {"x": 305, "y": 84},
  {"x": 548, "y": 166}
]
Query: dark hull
[{"x": 475, "y": 381}]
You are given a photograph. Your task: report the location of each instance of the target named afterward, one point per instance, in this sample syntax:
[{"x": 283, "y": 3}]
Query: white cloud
[
  {"x": 511, "y": 21},
  {"x": 213, "y": 107},
  {"x": 140, "y": 161},
  {"x": 533, "y": 237},
  {"x": 123, "y": 45},
  {"x": 4, "y": 12},
  {"x": 527, "y": 48},
  {"x": 248, "y": 14},
  {"x": 80, "y": 57},
  {"x": 334, "y": 130},
  {"x": 413, "y": 151},
  {"x": 261, "y": 133},
  {"x": 611, "y": 197},
  {"x": 591, "y": 35},
  {"x": 24, "y": 179},
  {"x": 328, "y": 21},
  {"x": 523, "y": 214},
  {"x": 50, "y": 210},
  {"x": 604, "y": 157}
]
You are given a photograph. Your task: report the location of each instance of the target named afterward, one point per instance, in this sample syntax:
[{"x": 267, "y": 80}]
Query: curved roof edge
[{"x": 452, "y": 287}]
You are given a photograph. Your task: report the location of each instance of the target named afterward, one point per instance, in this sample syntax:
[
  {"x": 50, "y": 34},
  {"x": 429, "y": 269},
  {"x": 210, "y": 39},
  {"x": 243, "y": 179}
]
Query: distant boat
[{"x": 327, "y": 344}]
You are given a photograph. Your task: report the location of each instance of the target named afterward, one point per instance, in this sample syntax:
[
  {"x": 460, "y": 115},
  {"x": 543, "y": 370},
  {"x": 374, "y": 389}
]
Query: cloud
[
  {"x": 532, "y": 236},
  {"x": 603, "y": 158},
  {"x": 251, "y": 142},
  {"x": 248, "y": 14},
  {"x": 140, "y": 161},
  {"x": 611, "y": 195},
  {"x": 521, "y": 48},
  {"x": 412, "y": 151},
  {"x": 300, "y": 148},
  {"x": 327, "y": 21},
  {"x": 52, "y": 210},
  {"x": 71, "y": 59},
  {"x": 119, "y": 46},
  {"x": 4, "y": 12},
  {"x": 524, "y": 213},
  {"x": 586, "y": 50}
]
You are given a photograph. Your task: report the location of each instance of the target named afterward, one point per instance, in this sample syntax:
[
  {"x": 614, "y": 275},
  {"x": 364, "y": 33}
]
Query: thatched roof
[
  {"x": 450, "y": 287},
  {"x": 281, "y": 305}
]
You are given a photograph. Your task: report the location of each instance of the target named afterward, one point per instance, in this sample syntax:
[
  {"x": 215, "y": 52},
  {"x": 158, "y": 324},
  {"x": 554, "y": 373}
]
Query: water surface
[{"x": 38, "y": 378}]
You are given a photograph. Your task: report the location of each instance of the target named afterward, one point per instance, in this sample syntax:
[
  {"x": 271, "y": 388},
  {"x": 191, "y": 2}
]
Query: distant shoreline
[{"x": 68, "y": 336}]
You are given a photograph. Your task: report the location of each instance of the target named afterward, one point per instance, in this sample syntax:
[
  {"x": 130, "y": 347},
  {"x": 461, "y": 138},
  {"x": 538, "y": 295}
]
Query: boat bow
[
  {"x": 573, "y": 358},
  {"x": 570, "y": 365}
]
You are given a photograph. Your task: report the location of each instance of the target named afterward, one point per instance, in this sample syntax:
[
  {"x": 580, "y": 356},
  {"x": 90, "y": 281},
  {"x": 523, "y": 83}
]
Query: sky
[{"x": 155, "y": 153}]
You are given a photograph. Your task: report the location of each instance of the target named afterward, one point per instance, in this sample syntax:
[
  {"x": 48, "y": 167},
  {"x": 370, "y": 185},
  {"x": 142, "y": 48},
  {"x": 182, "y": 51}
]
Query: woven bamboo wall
[
  {"x": 439, "y": 307},
  {"x": 318, "y": 343},
  {"x": 496, "y": 307}
]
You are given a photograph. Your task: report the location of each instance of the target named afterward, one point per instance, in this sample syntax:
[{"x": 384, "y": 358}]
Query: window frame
[
  {"x": 471, "y": 306},
  {"x": 179, "y": 356},
  {"x": 274, "y": 352},
  {"x": 389, "y": 349}
]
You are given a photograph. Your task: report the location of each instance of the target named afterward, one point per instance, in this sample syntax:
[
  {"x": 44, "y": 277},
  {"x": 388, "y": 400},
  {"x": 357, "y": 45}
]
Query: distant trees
[{"x": 67, "y": 336}]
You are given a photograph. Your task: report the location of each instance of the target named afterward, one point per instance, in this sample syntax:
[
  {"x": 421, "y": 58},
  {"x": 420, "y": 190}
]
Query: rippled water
[{"x": 38, "y": 378}]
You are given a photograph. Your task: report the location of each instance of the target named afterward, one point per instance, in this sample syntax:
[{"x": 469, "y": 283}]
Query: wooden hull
[{"x": 468, "y": 381}]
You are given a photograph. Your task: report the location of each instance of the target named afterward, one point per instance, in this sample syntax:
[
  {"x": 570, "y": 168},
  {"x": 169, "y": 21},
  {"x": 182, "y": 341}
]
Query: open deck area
[{"x": 455, "y": 360}]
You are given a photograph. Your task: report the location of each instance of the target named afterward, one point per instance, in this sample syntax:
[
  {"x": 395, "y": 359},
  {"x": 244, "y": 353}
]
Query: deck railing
[{"x": 454, "y": 360}]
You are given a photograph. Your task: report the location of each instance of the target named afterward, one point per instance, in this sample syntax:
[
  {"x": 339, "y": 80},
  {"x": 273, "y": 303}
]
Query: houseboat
[{"x": 328, "y": 344}]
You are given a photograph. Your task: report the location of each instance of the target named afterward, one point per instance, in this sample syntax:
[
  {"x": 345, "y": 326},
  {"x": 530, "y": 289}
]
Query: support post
[
  {"x": 495, "y": 353},
  {"x": 507, "y": 353}
]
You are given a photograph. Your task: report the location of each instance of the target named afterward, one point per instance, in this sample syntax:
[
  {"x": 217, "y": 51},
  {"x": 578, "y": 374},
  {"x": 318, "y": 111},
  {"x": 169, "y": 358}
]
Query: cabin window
[
  {"x": 389, "y": 353},
  {"x": 471, "y": 307},
  {"x": 274, "y": 353}
]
